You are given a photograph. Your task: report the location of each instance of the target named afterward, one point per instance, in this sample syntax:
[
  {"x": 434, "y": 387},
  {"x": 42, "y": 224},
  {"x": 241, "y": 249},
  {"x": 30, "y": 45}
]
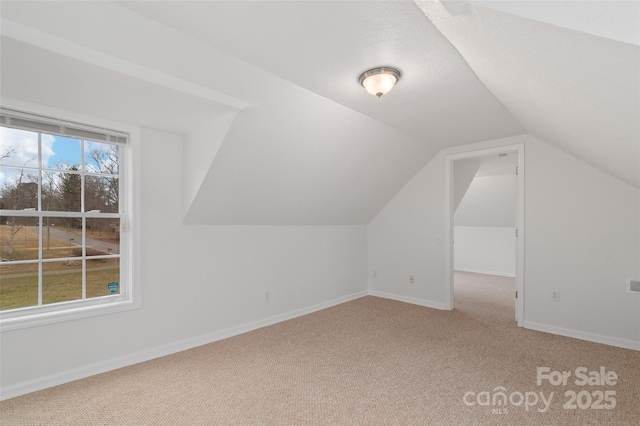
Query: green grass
[
  {"x": 18, "y": 292},
  {"x": 62, "y": 281},
  {"x": 22, "y": 291}
]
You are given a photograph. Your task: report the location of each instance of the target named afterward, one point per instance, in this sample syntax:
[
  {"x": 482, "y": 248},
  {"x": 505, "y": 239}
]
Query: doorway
[{"x": 456, "y": 184}]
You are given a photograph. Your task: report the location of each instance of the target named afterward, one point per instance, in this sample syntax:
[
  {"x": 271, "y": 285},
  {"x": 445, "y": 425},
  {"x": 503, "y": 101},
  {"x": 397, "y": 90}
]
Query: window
[{"x": 63, "y": 246}]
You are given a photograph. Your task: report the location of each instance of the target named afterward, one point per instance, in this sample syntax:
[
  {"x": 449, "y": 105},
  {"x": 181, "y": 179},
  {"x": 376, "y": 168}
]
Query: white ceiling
[
  {"x": 615, "y": 20},
  {"x": 309, "y": 145},
  {"x": 325, "y": 46},
  {"x": 577, "y": 91},
  {"x": 66, "y": 83}
]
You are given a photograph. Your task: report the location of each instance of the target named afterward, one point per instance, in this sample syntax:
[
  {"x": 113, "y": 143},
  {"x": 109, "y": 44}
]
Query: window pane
[
  {"x": 18, "y": 188},
  {"x": 61, "y": 281},
  {"x": 103, "y": 236},
  {"x": 60, "y": 213},
  {"x": 101, "y": 273},
  {"x": 18, "y": 286},
  {"x": 18, "y": 147},
  {"x": 19, "y": 238},
  {"x": 61, "y": 153},
  {"x": 61, "y": 191},
  {"x": 61, "y": 237},
  {"x": 101, "y": 158},
  {"x": 101, "y": 194},
  {"x": 50, "y": 190}
]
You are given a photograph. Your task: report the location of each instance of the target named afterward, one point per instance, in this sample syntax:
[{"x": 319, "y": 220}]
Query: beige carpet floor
[{"x": 370, "y": 361}]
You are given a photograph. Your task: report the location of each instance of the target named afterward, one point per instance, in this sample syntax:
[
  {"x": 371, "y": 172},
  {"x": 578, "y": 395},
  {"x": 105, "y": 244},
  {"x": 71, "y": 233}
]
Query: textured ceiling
[
  {"x": 297, "y": 141},
  {"x": 324, "y": 46},
  {"x": 616, "y": 20},
  {"x": 577, "y": 91}
]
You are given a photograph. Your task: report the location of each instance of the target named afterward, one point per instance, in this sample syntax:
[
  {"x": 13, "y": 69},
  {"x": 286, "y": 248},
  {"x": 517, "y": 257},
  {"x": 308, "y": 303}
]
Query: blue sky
[
  {"x": 65, "y": 151},
  {"x": 58, "y": 152}
]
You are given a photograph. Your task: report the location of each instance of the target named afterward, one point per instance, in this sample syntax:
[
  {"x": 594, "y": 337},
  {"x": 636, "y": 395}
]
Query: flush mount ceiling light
[{"x": 379, "y": 81}]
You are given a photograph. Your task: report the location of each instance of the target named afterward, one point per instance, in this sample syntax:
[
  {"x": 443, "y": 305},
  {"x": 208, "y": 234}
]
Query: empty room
[{"x": 319, "y": 212}]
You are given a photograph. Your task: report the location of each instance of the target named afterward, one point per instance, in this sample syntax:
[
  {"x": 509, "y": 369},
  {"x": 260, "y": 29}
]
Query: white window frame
[{"x": 130, "y": 282}]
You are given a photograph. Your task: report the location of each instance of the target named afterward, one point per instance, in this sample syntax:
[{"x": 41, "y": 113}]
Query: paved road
[{"x": 74, "y": 239}]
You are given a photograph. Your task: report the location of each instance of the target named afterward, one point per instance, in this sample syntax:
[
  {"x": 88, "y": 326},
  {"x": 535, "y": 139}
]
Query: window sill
[{"x": 10, "y": 323}]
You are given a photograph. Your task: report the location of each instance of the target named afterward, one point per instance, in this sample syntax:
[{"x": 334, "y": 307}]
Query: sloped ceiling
[
  {"x": 33, "y": 73},
  {"x": 575, "y": 90},
  {"x": 299, "y": 141},
  {"x": 612, "y": 19},
  {"x": 324, "y": 46}
]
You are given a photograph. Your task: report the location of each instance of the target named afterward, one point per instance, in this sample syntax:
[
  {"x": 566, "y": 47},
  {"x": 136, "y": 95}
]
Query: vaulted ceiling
[{"x": 277, "y": 129}]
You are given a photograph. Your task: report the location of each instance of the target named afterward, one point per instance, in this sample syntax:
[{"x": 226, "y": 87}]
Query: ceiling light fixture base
[{"x": 379, "y": 81}]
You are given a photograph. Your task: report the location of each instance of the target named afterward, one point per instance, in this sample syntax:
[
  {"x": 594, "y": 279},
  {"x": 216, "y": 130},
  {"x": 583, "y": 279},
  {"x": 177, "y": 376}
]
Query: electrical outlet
[
  {"x": 555, "y": 296},
  {"x": 266, "y": 296},
  {"x": 412, "y": 279},
  {"x": 375, "y": 274}
]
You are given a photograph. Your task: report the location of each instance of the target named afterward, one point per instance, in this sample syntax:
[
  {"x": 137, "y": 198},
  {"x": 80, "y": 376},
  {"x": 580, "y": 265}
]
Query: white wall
[
  {"x": 464, "y": 173},
  {"x": 484, "y": 231},
  {"x": 407, "y": 238},
  {"x": 485, "y": 250},
  {"x": 489, "y": 201},
  {"x": 200, "y": 147},
  {"x": 581, "y": 238},
  {"x": 197, "y": 281},
  {"x": 582, "y": 232}
]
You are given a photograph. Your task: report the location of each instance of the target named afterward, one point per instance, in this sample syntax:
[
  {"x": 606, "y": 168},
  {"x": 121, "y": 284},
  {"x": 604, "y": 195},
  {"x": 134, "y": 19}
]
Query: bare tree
[
  {"x": 102, "y": 191},
  {"x": 105, "y": 160},
  {"x": 20, "y": 196},
  {"x": 50, "y": 189},
  {"x": 10, "y": 152}
]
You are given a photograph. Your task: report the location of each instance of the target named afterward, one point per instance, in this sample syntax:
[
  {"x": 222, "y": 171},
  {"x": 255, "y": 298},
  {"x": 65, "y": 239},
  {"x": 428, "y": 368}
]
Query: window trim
[{"x": 130, "y": 230}]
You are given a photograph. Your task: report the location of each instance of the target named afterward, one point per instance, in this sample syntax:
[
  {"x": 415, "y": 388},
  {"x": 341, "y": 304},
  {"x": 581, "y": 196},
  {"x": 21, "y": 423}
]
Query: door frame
[{"x": 448, "y": 236}]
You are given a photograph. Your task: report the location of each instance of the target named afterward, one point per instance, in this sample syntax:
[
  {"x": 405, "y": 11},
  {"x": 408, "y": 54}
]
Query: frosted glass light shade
[{"x": 379, "y": 81}]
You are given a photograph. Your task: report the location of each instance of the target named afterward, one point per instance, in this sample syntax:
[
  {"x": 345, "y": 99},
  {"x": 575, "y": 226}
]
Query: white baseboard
[
  {"x": 584, "y": 335},
  {"x": 163, "y": 350},
  {"x": 408, "y": 299},
  {"x": 481, "y": 271},
  {"x": 168, "y": 349}
]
